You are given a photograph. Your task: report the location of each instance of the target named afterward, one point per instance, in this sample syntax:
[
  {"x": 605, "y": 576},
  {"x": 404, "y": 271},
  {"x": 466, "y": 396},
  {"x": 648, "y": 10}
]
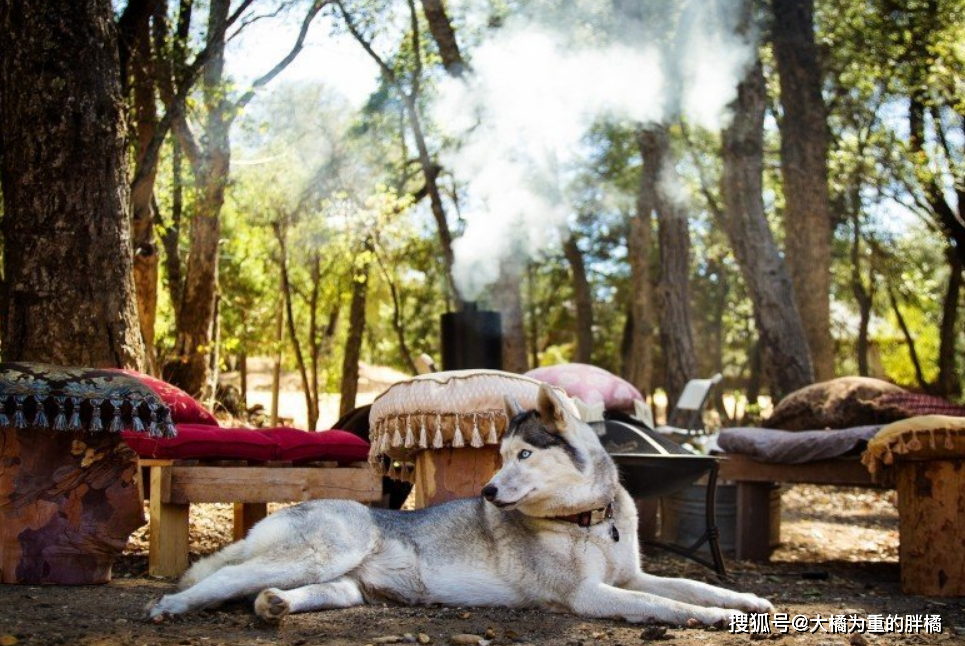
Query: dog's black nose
[{"x": 489, "y": 492}]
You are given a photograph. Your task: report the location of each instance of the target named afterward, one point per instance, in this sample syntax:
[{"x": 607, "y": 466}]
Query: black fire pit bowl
[
  {"x": 652, "y": 476},
  {"x": 650, "y": 464}
]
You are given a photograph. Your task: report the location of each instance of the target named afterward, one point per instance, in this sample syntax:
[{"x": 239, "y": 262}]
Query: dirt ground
[{"x": 838, "y": 556}]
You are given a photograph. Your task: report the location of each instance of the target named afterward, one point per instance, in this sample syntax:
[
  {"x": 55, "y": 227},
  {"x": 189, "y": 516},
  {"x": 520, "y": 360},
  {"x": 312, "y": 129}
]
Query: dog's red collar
[{"x": 588, "y": 518}]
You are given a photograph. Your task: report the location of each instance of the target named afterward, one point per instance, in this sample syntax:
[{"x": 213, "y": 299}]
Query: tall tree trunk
[
  {"x": 444, "y": 35},
  {"x": 141, "y": 74},
  {"x": 864, "y": 297},
  {"x": 356, "y": 332},
  {"x": 948, "y": 379},
  {"x": 673, "y": 290},
  {"x": 311, "y": 403},
  {"x": 638, "y": 366},
  {"x": 743, "y": 220},
  {"x": 584, "y": 300},
  {"x": 804, "y": 169},
  {"x": 171, "y": 237},
  {"x": 279, "y": 351},
  {"x": 533, "y": 336},
  {"x": 909, "y": 341},
  {"x": 508, "y": 299},
  {"x": 398, "y": 320},
  {"x": 68, "y": 291},
  {"x": 210, "y": 164}
]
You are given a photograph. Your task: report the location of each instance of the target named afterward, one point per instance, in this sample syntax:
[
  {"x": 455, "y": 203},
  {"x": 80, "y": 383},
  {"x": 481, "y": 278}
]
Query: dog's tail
[{"x": 230, "y": 555}]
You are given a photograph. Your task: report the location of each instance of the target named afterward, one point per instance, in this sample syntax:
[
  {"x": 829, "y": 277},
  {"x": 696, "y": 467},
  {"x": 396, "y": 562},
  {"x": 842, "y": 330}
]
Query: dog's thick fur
[{"x": 512, "y": 552}]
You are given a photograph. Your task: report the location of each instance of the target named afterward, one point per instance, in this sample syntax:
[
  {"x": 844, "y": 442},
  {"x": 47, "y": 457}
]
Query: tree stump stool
[
  {"x": 453, "y": 473},
  {"x": 931, "y": 512},
  {"x": 68, "y": 502},
  {"x": 441, "y": 431},
  {"x": 925, "y": 458},
  {"x": 69, "y": 494}
]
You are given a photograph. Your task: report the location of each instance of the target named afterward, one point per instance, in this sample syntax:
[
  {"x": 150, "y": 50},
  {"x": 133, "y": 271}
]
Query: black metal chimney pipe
[{"x": 472, "y": 338}]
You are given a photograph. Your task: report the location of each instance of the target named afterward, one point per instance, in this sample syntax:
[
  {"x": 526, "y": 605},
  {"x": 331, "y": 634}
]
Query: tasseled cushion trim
[
  {"x": 922, "y": 437},
  {"x": 86, "y": 414},
  {"x": 401, "y": 437}
]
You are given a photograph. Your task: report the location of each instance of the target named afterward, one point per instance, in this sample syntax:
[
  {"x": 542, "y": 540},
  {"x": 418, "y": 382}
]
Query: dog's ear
[
  {"x": 512, "y": 406},
  {"x": 551, "y": 408}
]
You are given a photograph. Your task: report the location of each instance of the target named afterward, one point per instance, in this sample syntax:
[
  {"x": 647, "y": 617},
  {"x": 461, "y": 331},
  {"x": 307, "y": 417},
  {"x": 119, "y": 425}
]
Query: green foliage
[{"x": 331, "y": 179}]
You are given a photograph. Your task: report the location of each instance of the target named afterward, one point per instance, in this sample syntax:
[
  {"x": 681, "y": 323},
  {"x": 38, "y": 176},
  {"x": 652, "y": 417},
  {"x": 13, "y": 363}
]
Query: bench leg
[
  {"x": 168, "y": 551},
  {"x": 753, "y": 521},
  {"x": 246, "y": 515}
]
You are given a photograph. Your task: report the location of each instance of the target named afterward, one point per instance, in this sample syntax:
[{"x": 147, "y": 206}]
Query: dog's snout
[{"x": 489, "y": 492}]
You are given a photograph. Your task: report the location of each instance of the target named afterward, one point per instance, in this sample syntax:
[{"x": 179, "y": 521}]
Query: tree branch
[{"x": 286, "y": 61}]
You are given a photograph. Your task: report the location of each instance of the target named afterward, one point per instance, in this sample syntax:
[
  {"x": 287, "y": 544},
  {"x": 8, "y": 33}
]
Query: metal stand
[{"x": 710, "y": 535}]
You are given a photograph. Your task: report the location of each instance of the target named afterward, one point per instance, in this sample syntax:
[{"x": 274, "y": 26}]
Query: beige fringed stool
[
  {"x": 925, "y": 457},
  {"x": 441, "y": 431}
]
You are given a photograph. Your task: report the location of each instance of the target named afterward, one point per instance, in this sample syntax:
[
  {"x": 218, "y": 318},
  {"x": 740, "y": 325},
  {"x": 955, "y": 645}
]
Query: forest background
[{"x": 666, "y": 189}]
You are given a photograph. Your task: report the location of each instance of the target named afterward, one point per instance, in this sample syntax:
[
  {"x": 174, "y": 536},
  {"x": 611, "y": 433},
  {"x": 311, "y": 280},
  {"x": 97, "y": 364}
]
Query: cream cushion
[
  {"x": 926, "y": 437},
  {"x": 445, "y": 409}
]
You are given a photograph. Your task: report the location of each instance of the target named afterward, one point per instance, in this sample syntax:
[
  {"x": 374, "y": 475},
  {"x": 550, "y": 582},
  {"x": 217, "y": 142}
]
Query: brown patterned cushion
[
  {"x": 839, "y": 403},
  {"x": 79, "y": 399}
]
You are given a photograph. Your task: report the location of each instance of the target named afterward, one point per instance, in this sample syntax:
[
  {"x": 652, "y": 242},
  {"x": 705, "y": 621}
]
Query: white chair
[{"x": 687, "y": 416}]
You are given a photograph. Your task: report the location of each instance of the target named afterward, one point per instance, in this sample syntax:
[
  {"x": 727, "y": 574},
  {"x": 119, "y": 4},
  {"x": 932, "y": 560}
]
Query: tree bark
[
  {"x": 909, "y": 341},
  {"x": 743, "y": 220},
  {"x": 584, "y": 301},
  {"x": 864, "y": 297},
  {"x": 949, "y": 384},
  {"x": 210, "y": 164},
  {"x": 356, "y": 332},
  {"x": 673, "y": 289},
  {"x": 508, "y": 299},
  {"x": 638, "y": 365},
  {"x": 68, "y": 292},
  {"x": 533, "y": 336},
  {"x": 171, "y": 237},
  {"x": 140, "y": 73},
  {"x": 445, "y": 36},
  {"x": 309, "y": 385},
  {"x": 804, "y": 169}
]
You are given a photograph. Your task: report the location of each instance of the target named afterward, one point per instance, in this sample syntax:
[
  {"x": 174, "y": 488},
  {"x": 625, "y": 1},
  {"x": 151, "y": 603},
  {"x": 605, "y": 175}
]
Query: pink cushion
[
  {"x": 184, "y": 408},
  {"x": 302, "y": 446},
  {"x": 590, "y": 384},
  {"x": 205, "y": 442}
]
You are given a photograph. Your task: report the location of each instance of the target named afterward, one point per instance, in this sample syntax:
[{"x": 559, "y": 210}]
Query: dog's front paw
[
  {"x": 271, "y": 606},
  {"x": 167, "y": 606},
  {"x": 754, "y": 604}
]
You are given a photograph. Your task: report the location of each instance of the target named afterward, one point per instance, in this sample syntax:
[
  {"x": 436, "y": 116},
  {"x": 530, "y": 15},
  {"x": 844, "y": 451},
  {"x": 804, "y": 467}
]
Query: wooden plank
[
  {"x": 168, "y": 550},
  {"x": 753, "y": 521},
  {"x": 846, "y": 472},
  {"x": 246, "y": 515},
  {"x": 265, "y": 484},
  {"x": 931, "y": 525}
]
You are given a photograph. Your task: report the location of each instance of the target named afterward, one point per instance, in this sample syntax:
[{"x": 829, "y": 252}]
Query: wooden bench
[
  {"x": 754, "y": 480},
  {"x": 172, "y": 485}
]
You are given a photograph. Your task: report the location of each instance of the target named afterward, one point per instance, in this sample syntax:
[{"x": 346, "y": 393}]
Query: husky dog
[{"x": 554, "y": 529}]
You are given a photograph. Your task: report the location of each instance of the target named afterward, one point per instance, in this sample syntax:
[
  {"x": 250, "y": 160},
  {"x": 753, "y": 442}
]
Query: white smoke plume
[{"x": 543, "y": 79}]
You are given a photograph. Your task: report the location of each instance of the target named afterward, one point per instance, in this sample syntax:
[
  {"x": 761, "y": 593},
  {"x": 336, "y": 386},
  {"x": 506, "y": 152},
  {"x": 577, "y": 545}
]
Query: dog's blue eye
[{"x": 525, "y": 453}]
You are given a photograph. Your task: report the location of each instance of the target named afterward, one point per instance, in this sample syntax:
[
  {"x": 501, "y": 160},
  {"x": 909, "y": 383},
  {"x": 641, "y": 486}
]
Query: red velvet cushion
[
  {"x": 203, "y": 441},
  {"x": 184, "y": 408},
  {"x": 302, "y": 446}
]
